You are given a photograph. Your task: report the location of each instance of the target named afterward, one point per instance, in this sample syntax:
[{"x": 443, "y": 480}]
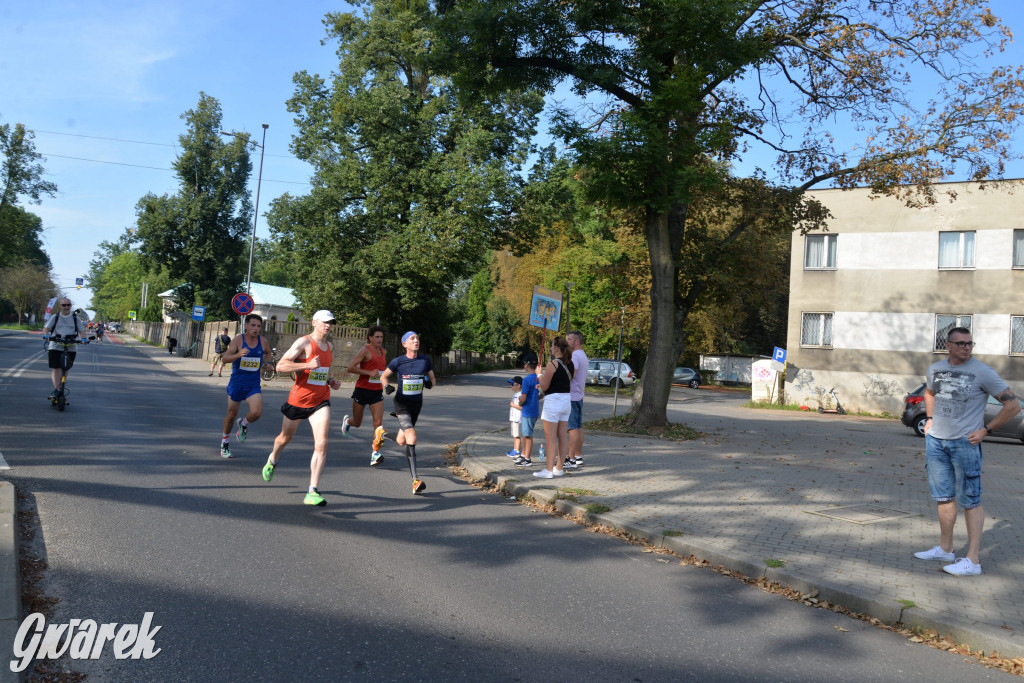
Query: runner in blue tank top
[{"x": 245, "y": 353}]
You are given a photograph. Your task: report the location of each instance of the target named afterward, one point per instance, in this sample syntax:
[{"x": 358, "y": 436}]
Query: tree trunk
[{"x": 650, "y": 400}]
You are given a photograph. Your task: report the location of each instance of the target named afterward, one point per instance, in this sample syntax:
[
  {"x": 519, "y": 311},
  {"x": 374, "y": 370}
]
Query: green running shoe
[
  {"x": 314, "y": 498},
  {"x": 268, "y": 470},
  {"x": 242, "y": 432},
  {"x": 225, "y": 450}
]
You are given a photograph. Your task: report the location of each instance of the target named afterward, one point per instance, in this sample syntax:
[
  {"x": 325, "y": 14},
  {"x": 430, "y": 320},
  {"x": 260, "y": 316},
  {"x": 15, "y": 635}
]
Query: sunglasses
[
  {"x": 963, "y": 345},
  {"x": 65, "y": 305}
]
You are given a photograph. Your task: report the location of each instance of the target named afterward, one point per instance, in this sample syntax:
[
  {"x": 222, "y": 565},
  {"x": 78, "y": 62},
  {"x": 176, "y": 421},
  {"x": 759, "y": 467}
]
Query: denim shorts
[
  {"x": 575, "y": 415},
  {"x": 526, "y": 425},
  {"x": 954, "y": 471}
]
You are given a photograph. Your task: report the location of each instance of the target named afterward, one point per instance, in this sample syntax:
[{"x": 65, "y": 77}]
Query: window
[
  {"x": 820, "y": 251},
  {"x": 944, "y": 323},
  {"x": 816, "y": 329},
  {"x": 1017, "y": 335},
  {"x": 956, "y": 249},
  {"x": 1018, "y": 248}
]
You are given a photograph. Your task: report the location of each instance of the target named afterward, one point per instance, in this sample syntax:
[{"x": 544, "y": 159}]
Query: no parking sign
[{"x": 242, "y": 303}]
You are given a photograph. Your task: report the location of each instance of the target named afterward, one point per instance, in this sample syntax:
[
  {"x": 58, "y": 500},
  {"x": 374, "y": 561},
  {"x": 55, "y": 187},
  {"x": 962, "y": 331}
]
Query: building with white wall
[{"x": 871, "y": 299}]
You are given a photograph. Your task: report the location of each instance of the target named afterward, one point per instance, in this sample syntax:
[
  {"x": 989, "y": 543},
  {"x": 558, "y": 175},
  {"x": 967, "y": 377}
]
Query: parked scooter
[{"x": 838, "y": 409}]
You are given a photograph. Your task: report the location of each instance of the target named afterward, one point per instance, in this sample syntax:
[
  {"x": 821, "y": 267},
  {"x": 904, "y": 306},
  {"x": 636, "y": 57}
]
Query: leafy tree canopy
[
  {"x": 411, "y": 187},
  {"x": 677, "y": 91},
  {"x": 21, "y": 178},
  {"x": 201, "y": 233}
]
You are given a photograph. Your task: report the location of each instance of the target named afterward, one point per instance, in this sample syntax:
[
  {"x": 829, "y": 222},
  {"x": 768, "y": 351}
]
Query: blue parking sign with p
[{"x": 779, "y": 355}]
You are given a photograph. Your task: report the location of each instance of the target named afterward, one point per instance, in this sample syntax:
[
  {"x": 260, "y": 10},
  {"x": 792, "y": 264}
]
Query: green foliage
[
  {"x": 200, "y": 234},
  {"x": 27, "y": 287},
  {"x": 117, "y": 274},
  {"x": 274, "y": 263},
  {"x": 410, "y": 187},
  {"x": 21, "y": 177},
  {"x": 668, "y": 113}
]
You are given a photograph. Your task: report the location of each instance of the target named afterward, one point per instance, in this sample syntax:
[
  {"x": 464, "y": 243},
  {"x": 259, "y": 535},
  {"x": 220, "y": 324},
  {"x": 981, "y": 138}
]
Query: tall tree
[
  {"x": 681, "y": 89},
  {"x": 21, "y": 179},
  {"x": 410, "y": 187},
  {"x": 26, "y": 286},
  {"x": 200, "y": 234},
  {"x": 116, "y": 274}
]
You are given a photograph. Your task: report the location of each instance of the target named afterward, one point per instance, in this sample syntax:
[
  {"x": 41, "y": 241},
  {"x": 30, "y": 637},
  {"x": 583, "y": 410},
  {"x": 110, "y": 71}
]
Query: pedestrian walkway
[{"x": 841, "y": 503}]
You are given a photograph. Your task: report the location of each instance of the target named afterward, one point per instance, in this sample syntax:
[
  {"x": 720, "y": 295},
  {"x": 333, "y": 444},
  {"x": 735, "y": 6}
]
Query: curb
[
  {"x": 976, "y": 635},
  {"x": 10, "y": 584}
]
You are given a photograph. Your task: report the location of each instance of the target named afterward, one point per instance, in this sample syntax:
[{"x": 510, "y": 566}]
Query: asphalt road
[{"x": 140, "y": 514}]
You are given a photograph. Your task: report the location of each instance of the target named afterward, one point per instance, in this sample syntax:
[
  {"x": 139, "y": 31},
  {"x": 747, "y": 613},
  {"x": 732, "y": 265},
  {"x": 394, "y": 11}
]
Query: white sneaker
[
  {"x": 936, "y": 553},
  {"x": 345, "y": 427},
  {"x": 545, "y": 474},
  {"x": 963, "y": 567},
  {"x": 557, "y": 472}
]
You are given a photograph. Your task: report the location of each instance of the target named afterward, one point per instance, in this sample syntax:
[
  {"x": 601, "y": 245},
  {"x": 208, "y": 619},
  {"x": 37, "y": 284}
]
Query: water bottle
[{"x": 542, "y": 451}]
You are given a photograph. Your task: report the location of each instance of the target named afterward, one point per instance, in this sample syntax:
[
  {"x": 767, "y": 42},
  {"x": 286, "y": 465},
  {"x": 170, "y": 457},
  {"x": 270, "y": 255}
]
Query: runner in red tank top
[
  {"x": 309, "y": 399},
  {"x": 368, "y": 364}
]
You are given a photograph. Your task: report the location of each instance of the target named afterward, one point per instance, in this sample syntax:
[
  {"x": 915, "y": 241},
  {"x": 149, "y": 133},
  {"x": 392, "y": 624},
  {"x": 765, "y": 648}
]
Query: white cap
[{"x": 324, "y": 315}]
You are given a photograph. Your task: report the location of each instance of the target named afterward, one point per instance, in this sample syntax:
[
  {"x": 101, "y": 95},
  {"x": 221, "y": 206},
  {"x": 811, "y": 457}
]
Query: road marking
[
  {"x": 3, "y": 463},
  {"x": 15, "y": 371}
]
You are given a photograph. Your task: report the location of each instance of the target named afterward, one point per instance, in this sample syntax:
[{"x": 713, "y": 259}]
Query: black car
[
  {"x": 686, "y": 377},
  {"x": 914, "y": 416}
]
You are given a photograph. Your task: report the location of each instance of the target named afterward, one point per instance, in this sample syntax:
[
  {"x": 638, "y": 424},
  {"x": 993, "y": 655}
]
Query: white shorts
[
  {"x": 556, "y": 408},
  {"x": 516, "y": 431}
]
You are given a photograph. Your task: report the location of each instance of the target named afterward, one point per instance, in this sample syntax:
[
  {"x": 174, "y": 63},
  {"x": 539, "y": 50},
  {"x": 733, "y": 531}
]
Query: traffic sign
[
  {"x": 199, "y": 313},
  {"x": 132, "y": 315},
  {"x": 242, "y": 303},
  {"x": 779, "y": 355}
]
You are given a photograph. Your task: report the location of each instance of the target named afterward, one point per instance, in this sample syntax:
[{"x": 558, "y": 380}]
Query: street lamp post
[{"x": 256, "y": 208}]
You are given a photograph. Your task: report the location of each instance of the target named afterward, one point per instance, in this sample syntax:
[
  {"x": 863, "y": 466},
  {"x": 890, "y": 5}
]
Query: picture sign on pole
[{"x": 546, "y": 308}]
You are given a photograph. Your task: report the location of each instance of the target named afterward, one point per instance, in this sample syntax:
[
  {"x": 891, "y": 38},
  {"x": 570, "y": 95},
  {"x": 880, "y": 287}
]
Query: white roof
[{"x": 262, "y": 295}]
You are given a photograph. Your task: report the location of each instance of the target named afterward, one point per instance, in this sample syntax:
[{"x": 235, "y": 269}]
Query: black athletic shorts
[
  {"x": 367, "y": 397},
  {"x": 296, "y": 413},
  {"x": 407, "y": 413},
  {"x": 54, "y": 359}
]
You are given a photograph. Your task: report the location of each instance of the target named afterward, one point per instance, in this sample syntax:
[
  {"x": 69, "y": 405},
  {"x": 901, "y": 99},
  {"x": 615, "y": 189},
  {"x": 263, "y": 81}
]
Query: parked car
[
  {"x": 687, "y": 377},
  {"x": 602, "y": 371},
  {"x": 914, "y": 414}
]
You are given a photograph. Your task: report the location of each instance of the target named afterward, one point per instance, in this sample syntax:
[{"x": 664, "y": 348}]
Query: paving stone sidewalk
[{"x": 759, "y": 487}]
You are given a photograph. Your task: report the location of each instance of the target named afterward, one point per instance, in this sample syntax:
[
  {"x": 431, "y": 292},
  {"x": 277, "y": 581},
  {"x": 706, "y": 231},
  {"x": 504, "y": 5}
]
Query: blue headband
[{"x": 405, "y": 337}]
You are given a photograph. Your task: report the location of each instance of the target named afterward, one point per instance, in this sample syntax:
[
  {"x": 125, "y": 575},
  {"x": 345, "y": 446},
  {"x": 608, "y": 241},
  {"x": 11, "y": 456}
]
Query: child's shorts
[{"x": 516, "y": 430}]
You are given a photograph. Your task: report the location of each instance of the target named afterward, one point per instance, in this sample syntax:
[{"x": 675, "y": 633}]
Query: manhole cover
[{"x": 861, "y": 514}]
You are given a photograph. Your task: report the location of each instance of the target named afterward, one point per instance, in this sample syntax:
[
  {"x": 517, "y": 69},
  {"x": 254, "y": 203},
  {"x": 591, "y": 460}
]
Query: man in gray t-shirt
[{"x": 955, "y": 396}]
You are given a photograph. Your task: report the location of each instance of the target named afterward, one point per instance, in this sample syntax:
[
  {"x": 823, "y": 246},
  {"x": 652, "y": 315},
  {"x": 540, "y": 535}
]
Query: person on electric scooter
[{"x": 63, "y": 323}]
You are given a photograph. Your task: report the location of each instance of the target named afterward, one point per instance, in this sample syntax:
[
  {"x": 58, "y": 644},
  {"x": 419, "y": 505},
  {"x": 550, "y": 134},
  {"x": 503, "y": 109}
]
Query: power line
[
  {"x": 154, "y": 168},
  {"x": 134, "y": 142}
]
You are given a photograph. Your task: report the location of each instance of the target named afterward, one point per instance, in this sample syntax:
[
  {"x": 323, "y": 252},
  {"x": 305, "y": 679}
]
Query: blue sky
[{"x": 103, "y": 84}]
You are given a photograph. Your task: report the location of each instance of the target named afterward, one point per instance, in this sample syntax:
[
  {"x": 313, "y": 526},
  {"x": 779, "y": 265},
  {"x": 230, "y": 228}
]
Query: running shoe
[
  {"x": 963, "y": 567},
  {"x": 569, "y": 464},
  {"x": 243, "y": 430},
  {"x": 522, "y": 462},
  {"x": 936, "y": 553},
  {"x": 378, "y": 438},
  {"x": 376, "y": 459},
  {"x": 268, "y": 470},
  {"x": 418, "y": 486},
  {"x": 346, "y": 428},
  {"x": 225, "y": 450},
  {"x": 314, "y": 498},
  {"x": 513, "y": 453}
]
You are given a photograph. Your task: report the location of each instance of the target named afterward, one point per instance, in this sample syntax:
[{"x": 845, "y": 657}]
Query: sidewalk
[{"x": 741, "y": 497}]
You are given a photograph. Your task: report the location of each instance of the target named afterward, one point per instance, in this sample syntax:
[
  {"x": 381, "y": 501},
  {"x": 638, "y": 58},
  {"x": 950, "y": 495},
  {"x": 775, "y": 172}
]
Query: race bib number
[
  {"x": 248, "y": 364},
  {"x": 318, "y": 376},
  {"x": 412, "y": 385},
  {"x": 375, "y": 379}
]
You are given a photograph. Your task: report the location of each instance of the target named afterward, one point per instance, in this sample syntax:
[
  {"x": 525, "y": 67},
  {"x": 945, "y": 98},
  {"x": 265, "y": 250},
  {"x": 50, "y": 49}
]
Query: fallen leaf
[{"x": 844, "y": 630}]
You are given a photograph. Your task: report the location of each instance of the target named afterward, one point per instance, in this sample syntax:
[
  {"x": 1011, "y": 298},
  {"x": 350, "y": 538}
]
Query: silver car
[{"x": 603, "y": 371}]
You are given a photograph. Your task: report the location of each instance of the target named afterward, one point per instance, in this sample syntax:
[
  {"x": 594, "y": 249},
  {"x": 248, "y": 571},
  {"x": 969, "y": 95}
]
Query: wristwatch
[{"x": 989, "y": 431}]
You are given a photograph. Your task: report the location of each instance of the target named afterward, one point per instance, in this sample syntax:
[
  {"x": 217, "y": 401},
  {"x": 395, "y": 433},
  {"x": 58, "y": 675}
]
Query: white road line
[
  {"x": 3, "y": 463},
  {"x": 15, "y": 371}
]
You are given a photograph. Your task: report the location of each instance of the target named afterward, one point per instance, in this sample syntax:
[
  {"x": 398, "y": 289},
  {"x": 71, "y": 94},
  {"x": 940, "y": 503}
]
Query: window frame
[
  {"x": 1017, "y": 254},
  {"x": 833, "y": 252},
  {"x": 958, "y": 322},
  {"x": 1020, "y": 324},
  {"x": 821, "y": 329},
  {"x": 961, "y": 249}
]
